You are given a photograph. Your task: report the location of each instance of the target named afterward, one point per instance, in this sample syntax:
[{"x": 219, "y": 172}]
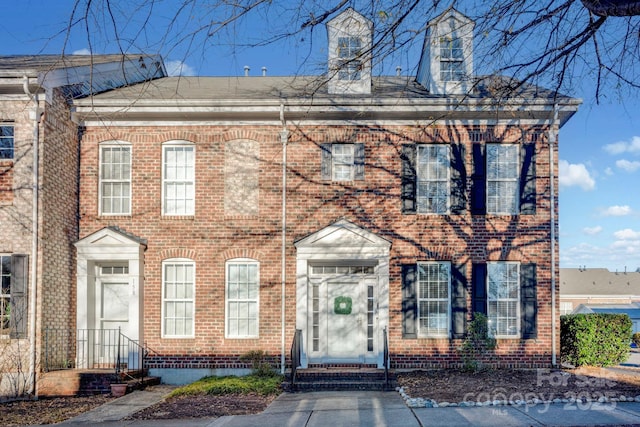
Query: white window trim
[
  {"x": 226, "y": 297},
  {"x": 516, "y": 180},
  {"x": 352, "y": 165},
  {"x": 421, "y": 332},
  {"x": 112, "y": 144},
  {"x": 451, "y": 59},
  {"x": 447, "y": 180},
  {"x": 11, "y": 138},
  {"x": 518, "y": 316},
  {"x": 193, "y": 300},
  {"x": 164, "y": 179}
]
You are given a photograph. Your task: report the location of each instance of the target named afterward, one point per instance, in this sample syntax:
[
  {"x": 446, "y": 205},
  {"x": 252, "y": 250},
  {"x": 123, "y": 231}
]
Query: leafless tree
[{"x": 556, "y": 43}]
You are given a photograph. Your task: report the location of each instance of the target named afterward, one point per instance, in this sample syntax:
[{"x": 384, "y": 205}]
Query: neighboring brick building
[
  {"x": 408, "y": 203},
  {"x": 36, "y": 246}
]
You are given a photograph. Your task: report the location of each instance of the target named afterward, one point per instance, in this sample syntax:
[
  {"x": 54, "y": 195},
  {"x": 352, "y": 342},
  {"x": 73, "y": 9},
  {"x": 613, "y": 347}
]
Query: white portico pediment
[
  {"x": 109, "y": 241},
  {"x": 343, "y": 237}
]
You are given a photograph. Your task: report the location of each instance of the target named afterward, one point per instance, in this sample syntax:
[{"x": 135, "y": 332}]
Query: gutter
[
  {"x": 35, "y": 116},
  {"x": 553, "y": 136},
  {"x": 284, "y": 136}
]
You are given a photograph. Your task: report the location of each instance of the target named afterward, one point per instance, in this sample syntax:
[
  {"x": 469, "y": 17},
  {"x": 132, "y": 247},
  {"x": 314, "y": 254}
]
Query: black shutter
[
  {"x": 325, "y": 167},
  {"x": 458, "y": 180},
  {"x": 528, "y": 180},
  {"x": 409, "y": 179},
  {"x": 528, "y": 301},
  {"x": 458, "y": 300},
  {"x": 479, "y": 288},
  {"x": 18, "y": 313},
  {"x": 358, "y": 157},
  {"x": 409, "y": 301},
  {"x": 479, "y": 181}
]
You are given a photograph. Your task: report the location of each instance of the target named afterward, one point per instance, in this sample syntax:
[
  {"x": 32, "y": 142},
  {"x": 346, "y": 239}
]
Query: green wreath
[{"x": 342, "y": 305}]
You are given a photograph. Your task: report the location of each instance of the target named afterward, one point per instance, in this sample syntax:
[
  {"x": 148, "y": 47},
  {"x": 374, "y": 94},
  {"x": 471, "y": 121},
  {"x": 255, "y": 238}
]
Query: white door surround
[
  {"x": 110, "y": 247},
  {"x": 342, "y": 293}
]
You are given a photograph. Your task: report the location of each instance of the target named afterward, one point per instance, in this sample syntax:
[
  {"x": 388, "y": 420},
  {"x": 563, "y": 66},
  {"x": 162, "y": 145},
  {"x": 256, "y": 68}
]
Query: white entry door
[
  {"x": 344, "y": 320},
  {"x": 112, "y": 312}
]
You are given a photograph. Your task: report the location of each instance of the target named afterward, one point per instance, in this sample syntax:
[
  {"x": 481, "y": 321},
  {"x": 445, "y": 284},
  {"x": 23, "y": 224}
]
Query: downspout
[
  {"x": 284, "y": 136},
  {"x": 553, "y": 136},
  {"x": 35, "y": 116}
]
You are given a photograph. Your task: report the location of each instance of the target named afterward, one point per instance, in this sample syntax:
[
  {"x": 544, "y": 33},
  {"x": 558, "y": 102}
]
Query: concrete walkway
[{"x": 366, "y": 408}]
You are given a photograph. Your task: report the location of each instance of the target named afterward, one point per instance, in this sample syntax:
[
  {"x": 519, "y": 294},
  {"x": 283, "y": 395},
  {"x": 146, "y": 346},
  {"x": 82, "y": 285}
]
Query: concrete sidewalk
[{"x": 365, "y": 408}]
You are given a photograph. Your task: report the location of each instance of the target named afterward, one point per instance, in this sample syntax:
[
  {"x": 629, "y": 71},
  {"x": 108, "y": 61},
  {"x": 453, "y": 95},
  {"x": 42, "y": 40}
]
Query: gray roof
[
  {"x": 598, "y": 281},
  {"x": 18, "y": 65},
  {"x": 632, "y": 310}
]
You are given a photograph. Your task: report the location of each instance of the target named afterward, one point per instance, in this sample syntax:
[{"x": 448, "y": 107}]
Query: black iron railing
[{"x": 295, "y": 355}]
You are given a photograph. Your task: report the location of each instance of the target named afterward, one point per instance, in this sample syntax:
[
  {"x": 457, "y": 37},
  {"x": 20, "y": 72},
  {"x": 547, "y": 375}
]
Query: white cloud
[
  {"x": 627, "y": 165},
  {"x": 81, "y": 52},
  {"x": 179, "y": 68},
  {"x": 608, "y": 171},
  {"x": 575, "y": 175},
  {"x": 592, "y": 231},
  {"x": 632, "y": 146},
  {"x": 617, "y": 211},
  {"x": 615, "y": 256},
  {"x": 627, "y": 234}
]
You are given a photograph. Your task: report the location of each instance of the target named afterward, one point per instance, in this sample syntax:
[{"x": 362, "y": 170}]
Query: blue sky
[{"x": 599, "y": 146}]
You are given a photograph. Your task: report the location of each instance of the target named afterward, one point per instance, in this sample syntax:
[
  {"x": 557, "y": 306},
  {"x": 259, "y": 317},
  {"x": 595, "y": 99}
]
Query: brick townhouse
[
  {"x": 220, "y": 215},
  {"x": 39, "y": 196}
]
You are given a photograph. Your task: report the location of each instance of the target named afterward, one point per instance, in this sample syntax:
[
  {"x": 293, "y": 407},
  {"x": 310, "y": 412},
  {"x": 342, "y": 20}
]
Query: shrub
[
  {"x": 636, "y": 339},
  {"x": 595, "y": 339},
  {"x": 259, "y": 364},
  {"x": 476, "y": 343},
  {"x": 232, "y": 385}
]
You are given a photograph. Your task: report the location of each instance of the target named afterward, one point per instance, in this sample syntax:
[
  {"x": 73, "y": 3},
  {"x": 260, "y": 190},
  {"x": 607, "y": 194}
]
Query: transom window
[
  {"x": 451, "y": 59},
  {"x": 5, "y": 294},
  {"x": 349, "y": 48},
  {"x": 6, "y": 141},
  {"x": 343, "y": 159},
  {"x": 503, "y": 298},
  {"x": 242, "y": 298},
  {"x": 178, "y": 174},
  {"x": 115, "y": 180},
  {"x": 502, "y": 179},
  {"x": 433, "y": 179},
  {"x": 342, "y": 269},
  {"x": 434, "y": 299},
  {"x": 178, "y": 291}
]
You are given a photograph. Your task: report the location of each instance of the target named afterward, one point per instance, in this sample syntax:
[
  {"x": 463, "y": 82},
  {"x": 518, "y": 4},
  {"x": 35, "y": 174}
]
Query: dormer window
[
  {"x": 349, "y": 49},
  {"x": 451, "y": 59}
]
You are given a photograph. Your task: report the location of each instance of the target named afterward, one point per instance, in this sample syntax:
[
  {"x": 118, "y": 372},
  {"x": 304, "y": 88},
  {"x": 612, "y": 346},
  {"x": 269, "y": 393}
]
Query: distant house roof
[
  {"x": 79, "y": 75},
  {"x": 260, "y": 98},
  {"x": 598, "y": 281},
  {"x": 632, "y": 310}
]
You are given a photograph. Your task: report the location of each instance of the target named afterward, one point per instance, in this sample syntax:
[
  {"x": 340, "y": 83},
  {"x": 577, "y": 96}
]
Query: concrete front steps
[
  {"x": 74, "y": 382},
  {"x": 334, "y": 378}
]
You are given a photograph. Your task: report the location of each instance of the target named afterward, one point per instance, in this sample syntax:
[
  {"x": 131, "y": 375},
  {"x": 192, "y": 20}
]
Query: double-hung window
[
  {"x": 115, "y": 179},
  {"x": 349, "y": 49},
  {"x": 343, "y": 162},
  {"x": 178, "y": 294},
  {"x": 503, "y": 298},
  {"x": 178, "y": 177},
  {"x": 6, "y": 141},
  {"x": 451, "y": 59},
  {"x": 434, "y": 283},
  {"x": 433, "y": 179},
  {"x": 5, "y": 294},
  {"x": 243, "y": 285},
  {"x": 503, "y": 179}
]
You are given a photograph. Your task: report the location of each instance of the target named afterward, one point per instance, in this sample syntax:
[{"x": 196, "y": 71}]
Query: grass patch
[{"x": 258, "y": 384}]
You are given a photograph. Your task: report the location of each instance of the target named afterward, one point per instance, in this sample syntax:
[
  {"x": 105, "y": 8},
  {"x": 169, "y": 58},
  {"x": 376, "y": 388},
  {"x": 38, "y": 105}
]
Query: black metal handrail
[
  {"x": 295, "y": 355},
  {"x": 387, "y": 360}
]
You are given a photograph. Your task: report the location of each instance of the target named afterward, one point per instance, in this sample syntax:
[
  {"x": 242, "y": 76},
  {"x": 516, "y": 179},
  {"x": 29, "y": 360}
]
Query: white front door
[
  {"x": 112, "y": 311},
  {"x": 342, "y": 319}
]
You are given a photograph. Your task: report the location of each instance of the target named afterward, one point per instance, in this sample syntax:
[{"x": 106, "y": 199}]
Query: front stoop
[
  {"x": 74, "y": 382},
  {"x": 340, "y": 378}
]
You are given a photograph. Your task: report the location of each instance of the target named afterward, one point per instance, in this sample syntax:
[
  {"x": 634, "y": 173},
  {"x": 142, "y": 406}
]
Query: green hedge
[{"x": 595, "y": 339}]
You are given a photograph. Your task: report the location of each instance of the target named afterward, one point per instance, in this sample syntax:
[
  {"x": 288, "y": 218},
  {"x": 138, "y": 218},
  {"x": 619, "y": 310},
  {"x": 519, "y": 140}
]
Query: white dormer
[
  {"x": 446, "y": 65},
  {"x": 349, "y": 53}
]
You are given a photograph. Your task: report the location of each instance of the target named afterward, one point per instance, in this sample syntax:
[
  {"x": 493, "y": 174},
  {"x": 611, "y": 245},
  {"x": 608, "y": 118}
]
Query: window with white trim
[
  {"x": 178, "y": 298},
  {"x": 433, "y": 179},
  {"x": 243, "y": 286},
  {"x": 451, "y": 59},
  {"x": 503, "y": 299},
  {"x": 349, "y": 49},
  {"x": 178, "y": 179},
  {"x": 434, "y": 299},
  {"x": 503, "y": 179},
  {"x": 6, "y": 141},
  {"x": 343, "y": 167},
  {"x": 5, "y": 294},
  {"x": 115, "y": 179}
]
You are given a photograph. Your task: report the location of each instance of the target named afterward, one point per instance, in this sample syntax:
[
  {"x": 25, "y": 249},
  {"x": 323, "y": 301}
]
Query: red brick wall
[{"x": 210, "y": 237}]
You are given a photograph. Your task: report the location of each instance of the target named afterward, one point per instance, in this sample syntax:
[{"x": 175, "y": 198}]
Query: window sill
[{"x": 178, "y": 217}]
